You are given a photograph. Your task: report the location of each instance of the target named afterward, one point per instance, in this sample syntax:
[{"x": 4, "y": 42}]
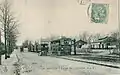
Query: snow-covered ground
[
  {"x": 32, "y": 64},
  {"x": 45, "y": 65},
  {"x": 7, "y": 67}
]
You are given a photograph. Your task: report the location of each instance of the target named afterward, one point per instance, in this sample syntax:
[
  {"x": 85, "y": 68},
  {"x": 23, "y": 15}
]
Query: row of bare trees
[
  {"x": 88, "y": 37},
  {"x": 9, "y": 25}
]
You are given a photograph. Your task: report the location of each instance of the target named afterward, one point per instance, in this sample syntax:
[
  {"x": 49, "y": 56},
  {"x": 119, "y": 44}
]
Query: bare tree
[
  {"x": 9, "y": 25},
  {"x": 25, "y": 43},
  {"x": 85, "y": 36},
  {"x": 12, "y": 39},
  {"x": 96, "y": 36},
  {"x": 115, "y": 34}
]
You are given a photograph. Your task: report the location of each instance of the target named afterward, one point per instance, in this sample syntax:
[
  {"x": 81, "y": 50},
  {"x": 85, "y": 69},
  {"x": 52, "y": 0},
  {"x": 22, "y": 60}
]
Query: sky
[{"x": 42, "y": 18}]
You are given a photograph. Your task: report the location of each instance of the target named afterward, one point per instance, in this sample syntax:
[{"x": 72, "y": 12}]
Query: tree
[
  {"x": 12, "y": 41},
  {"x": 25, "y": 43},
  {"x": 36, "y": 46},
  {"x": 96, "y": 37},
  {"x": 85, "y": 36},
  {"x": 115, "y": 34},
  {"x": 9, "y": 25},
  {"x": 2, "y": 51}
]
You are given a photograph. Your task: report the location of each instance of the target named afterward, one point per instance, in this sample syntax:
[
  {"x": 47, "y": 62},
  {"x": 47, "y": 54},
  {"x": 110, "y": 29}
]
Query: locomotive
[
  {"x": 43, "y": 49},
  {"x": 61, "y": 46}
]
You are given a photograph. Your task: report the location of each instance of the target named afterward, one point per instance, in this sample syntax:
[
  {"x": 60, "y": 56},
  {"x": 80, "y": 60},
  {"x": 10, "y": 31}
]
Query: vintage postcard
[{"x": 59, "y": 37}]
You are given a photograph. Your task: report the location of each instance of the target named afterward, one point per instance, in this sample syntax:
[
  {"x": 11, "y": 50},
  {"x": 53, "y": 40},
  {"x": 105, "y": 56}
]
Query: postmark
[
  {"x": 83, "y": 2},
  {"x": 99, "y": 13}
]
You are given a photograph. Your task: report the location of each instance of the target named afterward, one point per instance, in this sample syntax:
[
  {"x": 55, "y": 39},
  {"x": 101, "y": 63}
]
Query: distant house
[
  {"x": 82, "y": 46},
  {"x": 104, "y": 43},
  {"x": 98, "y": 45},
  {"x": 79, "y": 43}
]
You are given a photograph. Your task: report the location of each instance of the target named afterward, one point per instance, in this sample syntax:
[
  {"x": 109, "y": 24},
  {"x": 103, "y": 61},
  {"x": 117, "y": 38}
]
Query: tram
[
  {"x": 43, "y": 49},
  {"x": 61, "y": 46}
]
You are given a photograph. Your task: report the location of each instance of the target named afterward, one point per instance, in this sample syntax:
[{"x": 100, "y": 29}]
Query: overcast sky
[{"x": 41, "y": 18}]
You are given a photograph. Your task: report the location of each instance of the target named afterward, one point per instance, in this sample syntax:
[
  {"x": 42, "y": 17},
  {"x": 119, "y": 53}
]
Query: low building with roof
[
  {"x": 79, "y": 43},
  {"x": 104, "y": 43}
]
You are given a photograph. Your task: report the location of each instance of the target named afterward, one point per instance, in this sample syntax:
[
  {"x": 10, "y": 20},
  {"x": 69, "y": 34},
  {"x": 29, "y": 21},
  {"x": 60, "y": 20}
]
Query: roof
[
  {"x": 106, "y": 40},
  {"x": 43, "y": 44},
  {"x": 64, "y": 38},
  {"x": 103, "y": 38},
  {"x": 81, "y": 41}
]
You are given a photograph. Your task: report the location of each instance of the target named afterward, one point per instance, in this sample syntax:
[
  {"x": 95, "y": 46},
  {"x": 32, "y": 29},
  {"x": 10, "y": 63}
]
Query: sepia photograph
[{"x": 59, "y": 37}]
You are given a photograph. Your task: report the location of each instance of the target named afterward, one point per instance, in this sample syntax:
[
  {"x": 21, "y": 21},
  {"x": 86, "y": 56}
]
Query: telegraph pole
[
  {"x": 1, "y": 50},
  {"x": 74, "y": 46},
  {"x": 118, "y": 17},
  {"x": 118, "y": 25}
]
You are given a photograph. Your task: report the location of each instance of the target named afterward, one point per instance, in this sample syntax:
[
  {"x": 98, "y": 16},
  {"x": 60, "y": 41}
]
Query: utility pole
[
  {"x": 118, "y": 4},
  {"x": 1, "y": 50},
  {"x": 118, "y": 17},
  {"x": 74, "y": 46},
  {"x": 5, "y": 27},
  {"x": 5, "y": 39}
]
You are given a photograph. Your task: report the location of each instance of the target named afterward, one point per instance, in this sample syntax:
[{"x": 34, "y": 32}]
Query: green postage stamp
[{"x": 99, "y": 13}]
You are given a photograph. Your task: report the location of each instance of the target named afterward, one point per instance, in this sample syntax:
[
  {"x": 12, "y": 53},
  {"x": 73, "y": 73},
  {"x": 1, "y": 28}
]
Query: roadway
[{"x": 32, "y": 64}]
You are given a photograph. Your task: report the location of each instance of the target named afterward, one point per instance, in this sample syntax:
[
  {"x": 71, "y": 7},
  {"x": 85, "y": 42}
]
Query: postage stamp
[{"x": 99, "y": 13}]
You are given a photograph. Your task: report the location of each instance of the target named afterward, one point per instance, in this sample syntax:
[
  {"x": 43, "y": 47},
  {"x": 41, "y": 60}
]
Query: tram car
[
  {"x": 43, "y": 49},
  {"x": 61, "y": 46}
]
